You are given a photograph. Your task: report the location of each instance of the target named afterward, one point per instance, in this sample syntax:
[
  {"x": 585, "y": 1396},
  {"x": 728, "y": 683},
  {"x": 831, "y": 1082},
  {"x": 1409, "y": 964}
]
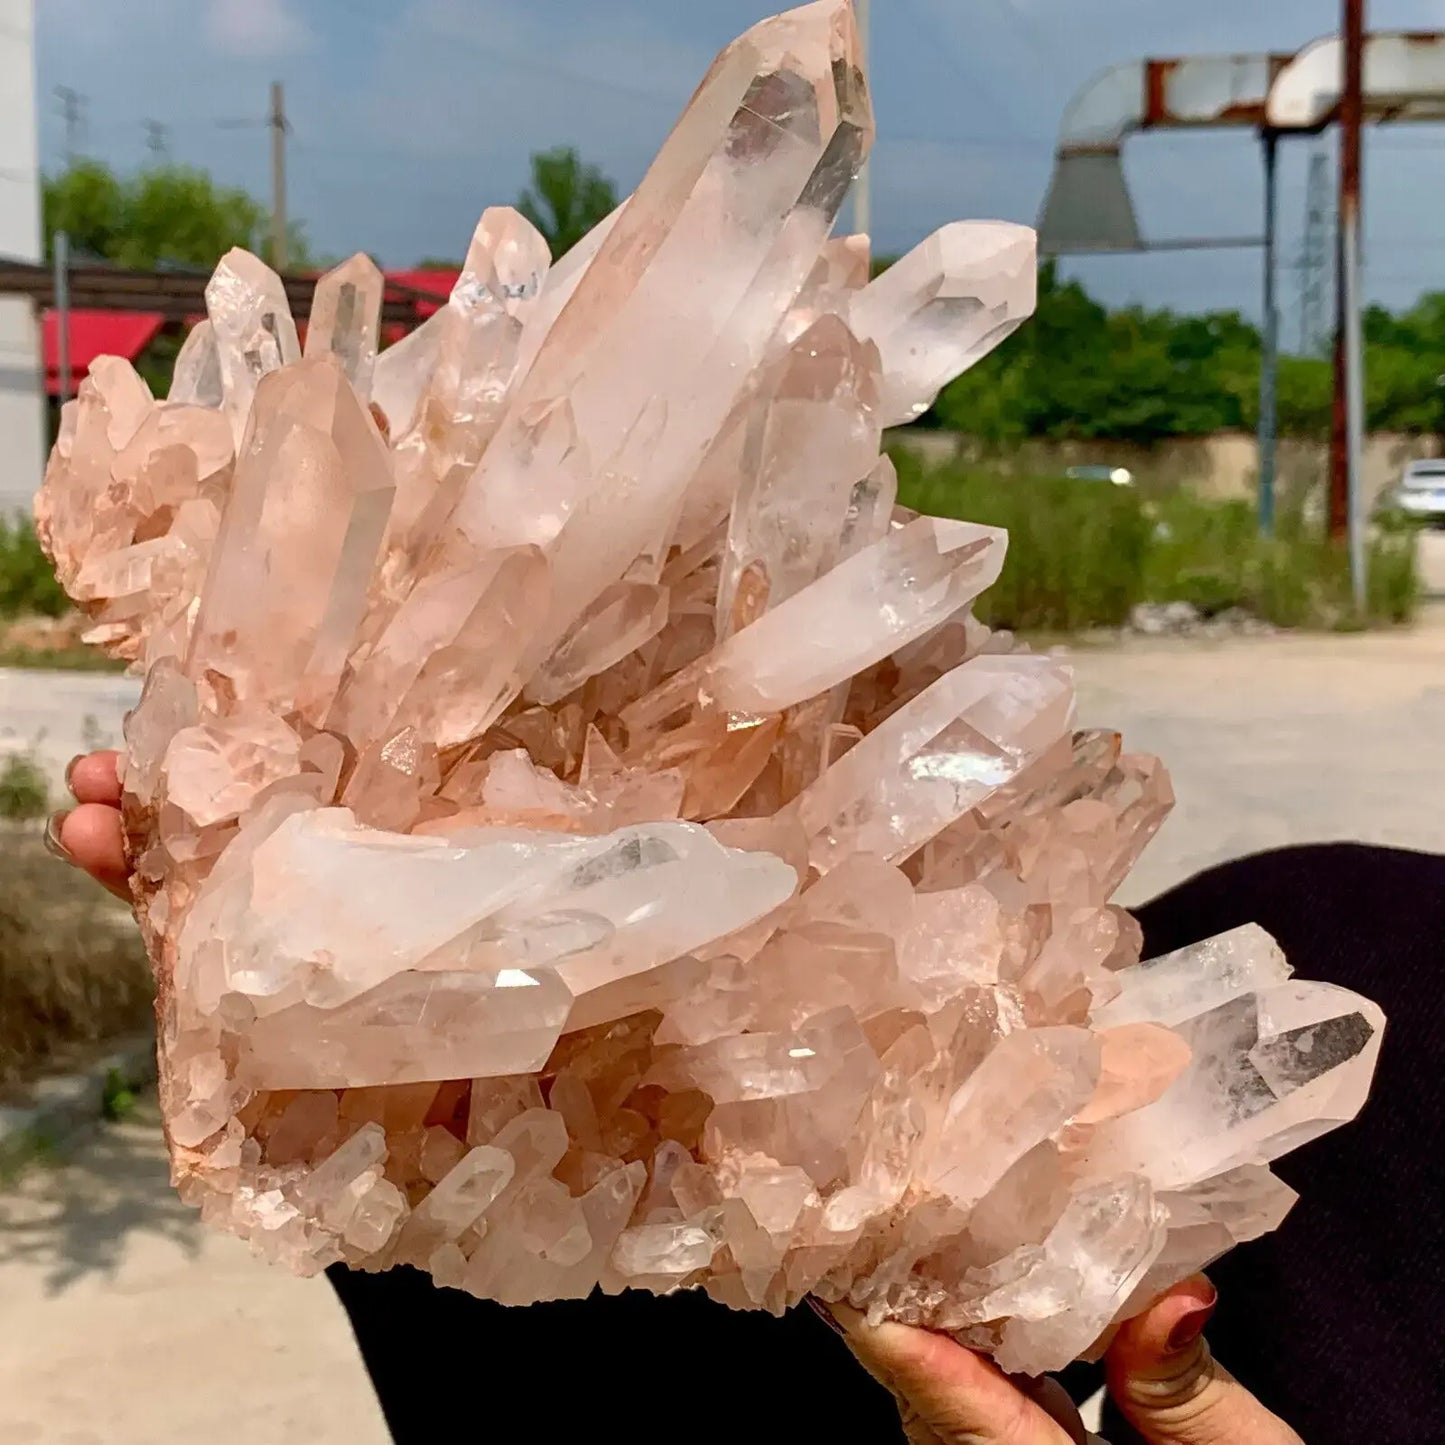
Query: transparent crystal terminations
[{"x": 583, "y": 836}]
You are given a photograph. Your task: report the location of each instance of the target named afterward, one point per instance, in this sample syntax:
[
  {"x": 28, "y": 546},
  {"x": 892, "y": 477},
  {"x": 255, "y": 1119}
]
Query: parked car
[
  {"x": 1118, "y": 476},
  {"x": 1420, "y": 493}
]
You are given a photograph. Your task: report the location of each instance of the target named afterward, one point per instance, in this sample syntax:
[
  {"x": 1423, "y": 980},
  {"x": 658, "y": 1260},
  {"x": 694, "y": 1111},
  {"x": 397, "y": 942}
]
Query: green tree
[
  {"x": 1305, "y": 397},
  {"x": 172, "y": 216},
  {"x": 88, "y": 203},
  {"x": 566, "y": 198}
]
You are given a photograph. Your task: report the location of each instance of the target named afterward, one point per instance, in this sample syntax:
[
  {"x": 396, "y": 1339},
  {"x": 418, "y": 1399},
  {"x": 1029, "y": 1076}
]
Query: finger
[
  {"x": 90, "y": 837},
  {"x": 962, "y": 1398},
  {"x": 94, "y": 778},
  {"x": 1057, "y": 1403},
  {"x": 1163, "y": 1377}
]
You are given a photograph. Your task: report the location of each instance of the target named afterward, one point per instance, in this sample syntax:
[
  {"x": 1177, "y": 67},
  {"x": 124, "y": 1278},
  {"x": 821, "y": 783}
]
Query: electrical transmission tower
[
  {"x": 72, "y": 108},
  {"x": 157, "y": 139},
  {"x": 1315, "y": 256}
]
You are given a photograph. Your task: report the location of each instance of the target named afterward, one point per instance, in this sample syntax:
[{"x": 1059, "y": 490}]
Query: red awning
[
  {"x": 432, "y": 283},
  {"x": 128, "y": 333},
  {"x": 92, "y": 334}
]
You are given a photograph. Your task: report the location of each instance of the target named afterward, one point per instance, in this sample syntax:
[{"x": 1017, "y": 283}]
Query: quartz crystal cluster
[{"x": 583, "y": 836}]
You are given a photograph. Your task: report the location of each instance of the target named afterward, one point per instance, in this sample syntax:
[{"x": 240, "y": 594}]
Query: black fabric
[
  {"x": 1334, "y": 1321},
  {"x": 1331, "y": 1321}
]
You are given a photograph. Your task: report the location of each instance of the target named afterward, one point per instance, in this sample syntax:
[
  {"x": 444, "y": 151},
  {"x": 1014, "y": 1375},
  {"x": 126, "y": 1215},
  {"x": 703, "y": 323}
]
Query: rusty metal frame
[{"x": 1403, "y": 79}]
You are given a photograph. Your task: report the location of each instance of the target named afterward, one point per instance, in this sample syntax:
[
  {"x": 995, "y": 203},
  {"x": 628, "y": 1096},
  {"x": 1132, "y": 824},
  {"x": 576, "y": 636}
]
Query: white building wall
[{"x": 22, "y": 409}]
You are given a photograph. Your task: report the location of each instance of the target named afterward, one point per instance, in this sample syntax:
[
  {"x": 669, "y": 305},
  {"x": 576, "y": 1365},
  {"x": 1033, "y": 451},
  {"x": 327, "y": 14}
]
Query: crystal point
[
  {"x": 944, "y": 307},
  {"x": 253, "y": 329},
  {"x": 345, "y": 319}
]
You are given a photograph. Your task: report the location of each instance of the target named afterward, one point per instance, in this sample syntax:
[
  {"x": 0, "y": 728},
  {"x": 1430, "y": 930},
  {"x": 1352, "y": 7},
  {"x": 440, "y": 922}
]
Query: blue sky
[{"x": 412, "y": 115}]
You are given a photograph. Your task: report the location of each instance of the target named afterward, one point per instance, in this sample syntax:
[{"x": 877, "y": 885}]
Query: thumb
[
  {"x": 948, "y": 1395},
  {"x": 1164, "y": 1379}
]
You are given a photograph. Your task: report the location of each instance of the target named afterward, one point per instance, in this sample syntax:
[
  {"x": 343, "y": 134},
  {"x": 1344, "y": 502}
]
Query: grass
[
  {"x": 117, "y": 1098},
  {"x": 72, "y": 969},
  {"x": 1211, "y": 555},
  {"x": 24, "y": 793},
  {"x": 1076, "y": 551},
  {"x": 59, "y": 659},
  {"x": 27, "y": 580},
  {"x": 1084, "y": 555},
  {"x": 35, "y": 614}
]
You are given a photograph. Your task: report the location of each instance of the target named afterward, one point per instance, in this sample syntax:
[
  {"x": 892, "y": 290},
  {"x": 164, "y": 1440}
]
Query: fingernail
[
  {"x": 826, "y": 1315},
  {"x": 1189, "y": 1327},
  {"x": 52, "y": 837},
  {"x": 70, "y": 767}
]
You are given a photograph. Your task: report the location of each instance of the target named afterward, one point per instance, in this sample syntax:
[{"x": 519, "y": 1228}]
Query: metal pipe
[
  {"x": 1269, "y": 348},
  {"x": 863, "y": 186},
  {"x": 1351, "y": 120},
  {"x": 1355, "y": 416},
  {"x": 62, "y": 314}
]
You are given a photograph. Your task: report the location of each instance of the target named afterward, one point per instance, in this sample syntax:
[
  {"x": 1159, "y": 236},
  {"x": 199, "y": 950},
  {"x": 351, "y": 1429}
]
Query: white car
[{"x": 1420, "y": 492}]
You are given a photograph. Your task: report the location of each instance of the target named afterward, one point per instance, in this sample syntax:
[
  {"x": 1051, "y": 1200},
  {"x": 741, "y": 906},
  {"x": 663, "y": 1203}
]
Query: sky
[{"x": 410, "y": 116}]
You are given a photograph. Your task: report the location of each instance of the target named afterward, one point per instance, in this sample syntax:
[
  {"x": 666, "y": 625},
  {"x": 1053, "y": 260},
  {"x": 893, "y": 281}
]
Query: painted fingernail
[
  {"x": 826, "y": 1315},
  {"x": 1189, "y": 1327},
  {"x": 70, "y": 767},
  {"x": 52, "y": 837}
]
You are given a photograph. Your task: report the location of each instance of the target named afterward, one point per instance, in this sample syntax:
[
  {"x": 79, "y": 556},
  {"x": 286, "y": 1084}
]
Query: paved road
[
  {"x": 122, "y": 1323},
  {"x": 55, "y": 715},
  {"x": 1281, "y": 740}
]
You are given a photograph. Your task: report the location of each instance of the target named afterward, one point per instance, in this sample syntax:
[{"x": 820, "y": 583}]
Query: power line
[
  {"x": 1027, "y": 28},
  {"x": 486, "y": 50},
  {"x": 977, "y": 74}
]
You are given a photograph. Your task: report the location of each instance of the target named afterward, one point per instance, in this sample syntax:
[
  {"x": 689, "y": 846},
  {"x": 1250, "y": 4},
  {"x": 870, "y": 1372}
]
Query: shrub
[
  {"x": 1083, "y": 554},
  {"x": 27, "y": 580},
  {"x": 1210, "y": 554},
  {"x": 24, "y": 792}
]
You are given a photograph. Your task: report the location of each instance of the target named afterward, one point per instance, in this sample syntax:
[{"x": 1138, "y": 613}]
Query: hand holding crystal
[{"x": 1161, "y": 1375}]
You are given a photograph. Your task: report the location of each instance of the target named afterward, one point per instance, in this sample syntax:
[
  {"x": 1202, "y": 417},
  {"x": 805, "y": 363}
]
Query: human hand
[
  {"x": 1160, "y": 1374},
  {"x": 89, "y": 835}
]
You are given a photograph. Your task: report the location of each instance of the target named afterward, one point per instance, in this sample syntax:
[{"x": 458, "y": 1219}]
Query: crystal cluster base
[{"x": 583, "y": 836}]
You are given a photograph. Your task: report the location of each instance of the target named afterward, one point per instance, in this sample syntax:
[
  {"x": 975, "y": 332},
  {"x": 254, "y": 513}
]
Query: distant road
[{"x": 56, "y": 715}]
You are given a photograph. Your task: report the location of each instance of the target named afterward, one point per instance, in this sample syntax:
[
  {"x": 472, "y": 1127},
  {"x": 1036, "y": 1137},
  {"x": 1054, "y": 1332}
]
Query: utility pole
[
  {"x": 277, "y": 122},
  {"x": 62, "y": 314},
  {"x": 72, "y": 108},
  {"x": 1269, "y": 348},
  {"x": 1344, "y": 460},
  {"x": 863, "y": 186}
]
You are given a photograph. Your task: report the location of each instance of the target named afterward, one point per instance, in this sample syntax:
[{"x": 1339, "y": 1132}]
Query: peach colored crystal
[{"x": 582, "y": 834}]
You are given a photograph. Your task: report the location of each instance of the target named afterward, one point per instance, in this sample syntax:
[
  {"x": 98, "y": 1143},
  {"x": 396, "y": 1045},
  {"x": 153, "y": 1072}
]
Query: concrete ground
[
  {"x": 1280, "y": 740},
  {"x": 123, "y": 1323}
]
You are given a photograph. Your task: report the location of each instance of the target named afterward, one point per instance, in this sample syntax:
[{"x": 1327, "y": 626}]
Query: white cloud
[{"x": 255, "y": 28}]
